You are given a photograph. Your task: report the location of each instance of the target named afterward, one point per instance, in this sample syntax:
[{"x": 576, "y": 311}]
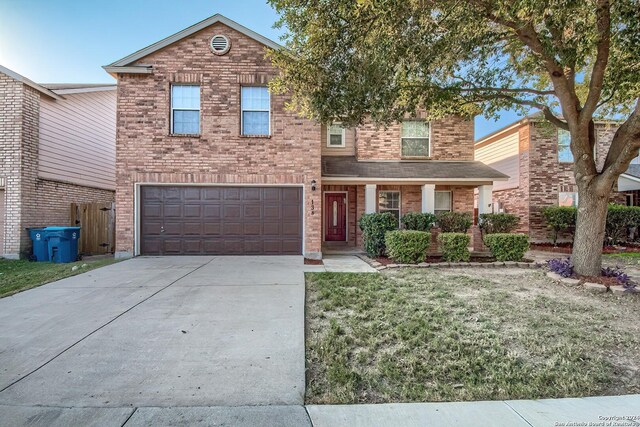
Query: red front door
[{"x": 335, "y": 217}]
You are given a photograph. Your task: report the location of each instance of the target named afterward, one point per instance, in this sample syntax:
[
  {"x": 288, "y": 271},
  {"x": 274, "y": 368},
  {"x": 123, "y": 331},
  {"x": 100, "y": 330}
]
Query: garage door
[{"x": 185, "y": 220}]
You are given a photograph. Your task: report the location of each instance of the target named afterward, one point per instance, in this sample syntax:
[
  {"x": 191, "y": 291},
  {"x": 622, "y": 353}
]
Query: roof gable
[
  {"x": 22, "y": 79},
  {"x": 126, "y": 64}
]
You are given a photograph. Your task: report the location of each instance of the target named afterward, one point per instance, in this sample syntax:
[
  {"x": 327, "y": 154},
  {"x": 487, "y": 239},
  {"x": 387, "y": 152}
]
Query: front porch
[{"x": 344, "y": 204}]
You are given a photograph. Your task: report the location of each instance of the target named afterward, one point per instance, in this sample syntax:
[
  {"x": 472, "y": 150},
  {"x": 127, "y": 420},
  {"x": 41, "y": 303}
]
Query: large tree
[{"x": 383, "y": 59}]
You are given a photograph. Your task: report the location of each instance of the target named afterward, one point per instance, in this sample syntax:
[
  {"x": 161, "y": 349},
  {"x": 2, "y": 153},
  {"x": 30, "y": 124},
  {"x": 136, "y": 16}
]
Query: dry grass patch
[{"x": 451, "y": 335}]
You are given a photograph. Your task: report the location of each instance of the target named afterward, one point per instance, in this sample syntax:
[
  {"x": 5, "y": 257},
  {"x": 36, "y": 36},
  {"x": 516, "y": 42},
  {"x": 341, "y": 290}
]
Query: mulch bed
[
  {"x": 565, "y": 248},
  {"x": 603, "y": 280},
  {"x": 433, "y": 259},
  {"x": 313, "y": 261}
]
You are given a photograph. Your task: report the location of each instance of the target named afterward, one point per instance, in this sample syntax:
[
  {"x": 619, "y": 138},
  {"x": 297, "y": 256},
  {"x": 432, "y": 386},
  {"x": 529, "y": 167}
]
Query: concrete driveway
[{"x": 154, "y": 333}]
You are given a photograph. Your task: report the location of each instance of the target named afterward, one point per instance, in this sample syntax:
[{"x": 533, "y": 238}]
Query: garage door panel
[
  {"x": 172, "y": 210},
  {"x": 192, "y": 211},
  {"x": 221, "y": 220}
]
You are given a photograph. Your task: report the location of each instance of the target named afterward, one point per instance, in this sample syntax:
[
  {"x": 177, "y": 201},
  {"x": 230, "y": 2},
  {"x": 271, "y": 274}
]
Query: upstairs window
[
  {"x": 414, "y": 138},
  {"x": 564, "y": 149},
  {"x": 335, "y": 135},
  {"x": 389, "y": 201},
  {"x": 568, "y": 199},
  {"x": 255, "y": 111},
  {"x": 442, "y": 202},
  {"x": 185, "y": 109}
]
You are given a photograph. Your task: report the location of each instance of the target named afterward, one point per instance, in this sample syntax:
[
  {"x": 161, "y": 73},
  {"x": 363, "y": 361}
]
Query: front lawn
[
  {"x": 623, "y": 258},
  {"x": 20, "y": 275},
  {"x": 451, "y": 335}
]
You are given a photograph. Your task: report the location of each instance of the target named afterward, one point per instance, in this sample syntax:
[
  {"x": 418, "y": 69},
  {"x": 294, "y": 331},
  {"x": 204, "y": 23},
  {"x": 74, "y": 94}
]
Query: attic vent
[{"x": 220, "y": 44}]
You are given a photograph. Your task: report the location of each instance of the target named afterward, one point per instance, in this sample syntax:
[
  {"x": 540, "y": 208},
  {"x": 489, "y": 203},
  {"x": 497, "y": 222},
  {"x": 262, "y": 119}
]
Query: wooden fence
[{"x": 98, "y": 232}]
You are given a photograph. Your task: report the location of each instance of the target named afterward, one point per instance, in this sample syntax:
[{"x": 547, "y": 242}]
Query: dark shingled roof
[
  {"x": 348, "y": 166},
  {"x": 634, "y": 170}
]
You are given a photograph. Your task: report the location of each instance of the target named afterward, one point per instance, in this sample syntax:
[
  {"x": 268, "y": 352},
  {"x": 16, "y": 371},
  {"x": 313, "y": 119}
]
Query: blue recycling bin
[
  {"x": 40, "y": 244},
  {"x": 62, "y": 243}
]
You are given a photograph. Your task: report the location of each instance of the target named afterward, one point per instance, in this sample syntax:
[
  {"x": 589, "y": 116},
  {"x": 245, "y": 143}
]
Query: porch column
[
  {"x": 428, "y": 198},
  {"x": 370, "y": 198},
  {"x": 485, "y": 199}
]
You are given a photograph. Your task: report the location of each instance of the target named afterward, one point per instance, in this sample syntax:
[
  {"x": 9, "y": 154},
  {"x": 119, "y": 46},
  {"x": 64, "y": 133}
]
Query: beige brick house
[
  {"x": 209, "y": 162},
  {"x": 536, "y": 157},
  {"x": 57, "y": 144}
]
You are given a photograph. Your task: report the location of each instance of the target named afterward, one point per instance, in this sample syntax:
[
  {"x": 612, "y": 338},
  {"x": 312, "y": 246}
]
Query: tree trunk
[{"x": 589, "y": 236}]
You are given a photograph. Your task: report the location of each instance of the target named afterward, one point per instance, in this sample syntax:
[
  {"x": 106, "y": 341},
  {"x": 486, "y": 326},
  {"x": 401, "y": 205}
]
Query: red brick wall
[
  {"x": 147, "y": 153},
  {"x": 451, "y": 139}
]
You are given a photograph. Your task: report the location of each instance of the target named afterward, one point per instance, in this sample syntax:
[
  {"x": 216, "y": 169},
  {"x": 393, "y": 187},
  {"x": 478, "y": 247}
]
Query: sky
[{"x": 68, "y": 41}]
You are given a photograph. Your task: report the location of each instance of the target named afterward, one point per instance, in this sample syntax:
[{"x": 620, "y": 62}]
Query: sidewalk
[{"x": 589, "y": 411}]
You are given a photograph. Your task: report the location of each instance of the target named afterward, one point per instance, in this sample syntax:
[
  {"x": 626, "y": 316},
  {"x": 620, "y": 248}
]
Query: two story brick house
[
  {"x": 57, "y": 145},
  {"x": 537, "y": 158},
  {"x": 210, "y": 162}
]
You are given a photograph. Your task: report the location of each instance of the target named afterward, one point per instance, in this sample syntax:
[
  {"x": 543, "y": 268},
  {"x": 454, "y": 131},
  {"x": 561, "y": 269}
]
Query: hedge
[
  {"x": 454, "y": 246},
  {"x": 374, "y": 226},
  {"x": 559, "y": 219},
  {"x": 507, "y": 247},
  {"x": 620, "y": 219},
  {"x": 492, "y": 223},
  {"x": 454, "y": 222},
  {"x": 418, "y": 221},
  {"x": 407, "y": 246}
]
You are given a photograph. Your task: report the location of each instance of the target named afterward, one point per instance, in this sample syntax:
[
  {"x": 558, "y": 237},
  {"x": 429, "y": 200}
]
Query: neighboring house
[
  {"x": 209, "y": 162},
  {"x": 57, "y": 144},
  {"x": 537, "y": 158}
]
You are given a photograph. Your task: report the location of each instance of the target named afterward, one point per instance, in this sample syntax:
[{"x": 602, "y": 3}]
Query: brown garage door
[{"x": 185, "y": 220}]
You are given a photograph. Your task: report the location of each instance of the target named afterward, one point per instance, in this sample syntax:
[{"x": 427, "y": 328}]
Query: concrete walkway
[{"x": 341, "y": 264}]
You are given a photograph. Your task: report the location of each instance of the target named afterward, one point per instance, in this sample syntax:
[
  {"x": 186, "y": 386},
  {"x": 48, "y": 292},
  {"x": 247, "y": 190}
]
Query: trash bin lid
[{"x": 61, "y": 228}]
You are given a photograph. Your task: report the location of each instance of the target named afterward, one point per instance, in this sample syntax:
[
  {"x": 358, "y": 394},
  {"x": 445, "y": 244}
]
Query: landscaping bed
[
  {"x": 20, "y": 275},
  {"x": 566, "y": 248},
  {"x": 414, "y": 335}
]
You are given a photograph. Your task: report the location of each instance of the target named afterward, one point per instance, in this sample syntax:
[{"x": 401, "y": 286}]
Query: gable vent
[{"x": 220, "y": 44}]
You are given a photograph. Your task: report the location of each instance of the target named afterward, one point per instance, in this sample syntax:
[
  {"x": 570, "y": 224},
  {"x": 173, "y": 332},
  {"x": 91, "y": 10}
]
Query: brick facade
[
  {"x": 543, "y": 177},
  {"x": 29, "y": 200},
  {"x": 451, "y": 139},
  {"x": 147, "y": 153}
]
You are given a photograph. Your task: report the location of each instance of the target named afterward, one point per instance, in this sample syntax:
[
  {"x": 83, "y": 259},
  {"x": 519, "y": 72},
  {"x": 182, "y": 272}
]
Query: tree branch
[
  {"x": 510, "y": 90},
  {"x": 624, "y": 146},
  {"x": 603, "y": 25}
]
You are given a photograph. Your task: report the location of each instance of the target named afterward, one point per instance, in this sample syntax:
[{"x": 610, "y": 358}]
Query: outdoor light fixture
[{"x": 313, "y": 185}]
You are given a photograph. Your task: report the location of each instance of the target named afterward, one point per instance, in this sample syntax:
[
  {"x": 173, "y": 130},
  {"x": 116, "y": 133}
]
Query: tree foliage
[{"x": 383, "y": 60}]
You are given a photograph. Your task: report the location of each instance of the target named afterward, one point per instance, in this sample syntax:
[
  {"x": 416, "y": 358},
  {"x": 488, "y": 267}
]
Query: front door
[{"x": 335, "y": 217}]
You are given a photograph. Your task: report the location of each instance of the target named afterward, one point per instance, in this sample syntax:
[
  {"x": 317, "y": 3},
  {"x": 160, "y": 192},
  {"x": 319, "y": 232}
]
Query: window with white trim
[
  {"x": 185, "y": 109},
  {"x": 335, "y": 135},
  {"x": 564, "y": 146},
  {"x": 389, "y": 201},
  {"x": 442, "y": 202},
  {"x": 414, "y": 138},
  {"x": 256, "y": 111},
  {"x": 567, "y": 199}
]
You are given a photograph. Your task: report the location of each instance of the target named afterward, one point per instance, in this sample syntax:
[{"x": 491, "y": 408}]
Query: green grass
[
  {"x": 625, "y": 258},
  {"x": 20, "y": 275},
  {"x": 424, "y": 335}
]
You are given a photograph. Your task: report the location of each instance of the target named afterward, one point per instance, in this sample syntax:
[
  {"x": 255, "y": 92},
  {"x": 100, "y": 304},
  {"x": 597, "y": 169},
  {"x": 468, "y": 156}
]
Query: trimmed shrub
[
  {"x": 454, "y": 246},
  {"x": 559, "y": 219},
  {"x": 492, "y": 223},
  {"x": 454, "y": 222},
  {"x": 507, "y": 247},
  {"x": 418, "y": 221},
  {"x": 374, "y": 226},
  {"x": 620, "y": 219},
  {"x": 407, "y": 246}
]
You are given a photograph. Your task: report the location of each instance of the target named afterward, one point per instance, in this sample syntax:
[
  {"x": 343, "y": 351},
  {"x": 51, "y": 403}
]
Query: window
[
  {"x": 629, "y": 199},
  {"x": 255, "y": 110},
  {"x": 389, "y": 201},
  {"x": 415, "y": 138},
  {"x": 335, "y": 135},
  {"x": 443, "y": 202},
  {"x": 564, "y": 150},
  {"x": 568, "y": 199},
  {"x": 185, "y": 109}
]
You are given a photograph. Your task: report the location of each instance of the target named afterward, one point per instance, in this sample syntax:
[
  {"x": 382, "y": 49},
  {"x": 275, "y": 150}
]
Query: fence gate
[{"x": 98, "y": 220}]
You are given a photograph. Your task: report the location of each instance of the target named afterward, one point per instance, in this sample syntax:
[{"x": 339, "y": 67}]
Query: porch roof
[{"x": 437, "y": 170}]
